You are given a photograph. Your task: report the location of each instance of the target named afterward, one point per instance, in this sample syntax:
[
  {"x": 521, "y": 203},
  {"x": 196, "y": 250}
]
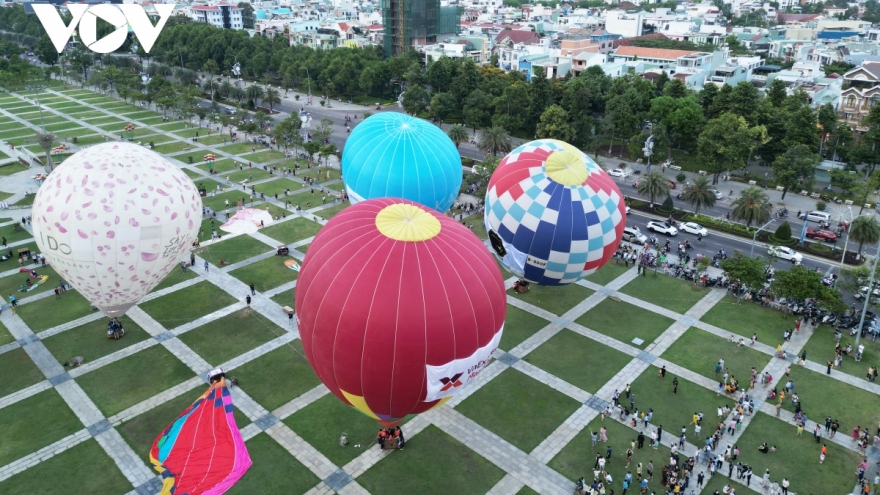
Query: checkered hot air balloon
[{"x": 553, "y": 215}]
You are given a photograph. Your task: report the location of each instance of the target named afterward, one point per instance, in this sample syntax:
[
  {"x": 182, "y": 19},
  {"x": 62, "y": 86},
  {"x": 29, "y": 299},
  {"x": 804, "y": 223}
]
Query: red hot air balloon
[{"x": 398, "y": 307}]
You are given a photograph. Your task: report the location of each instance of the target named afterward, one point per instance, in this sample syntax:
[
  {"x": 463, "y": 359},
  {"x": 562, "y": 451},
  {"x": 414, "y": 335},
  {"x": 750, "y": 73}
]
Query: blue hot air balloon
[{"x": 398, "y": 156}]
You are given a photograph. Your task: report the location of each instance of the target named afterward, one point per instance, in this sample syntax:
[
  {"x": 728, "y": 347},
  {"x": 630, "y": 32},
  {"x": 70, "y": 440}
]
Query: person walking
[
  {"x": 206, "y": 265},
  {"x": 247, "y": 299},
  {"x": 253, "y": 290},
  {"x": 785, "y": 484},
  {"x": 13, "y": 303},
  {"x": 675, "y": 386},
  {"x": 183, "y": 266},
  {"x": 192, "y": 259},
  {"x": 822, "y": 453}
]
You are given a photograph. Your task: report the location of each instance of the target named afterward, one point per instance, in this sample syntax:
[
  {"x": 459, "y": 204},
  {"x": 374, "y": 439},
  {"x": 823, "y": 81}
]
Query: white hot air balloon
[{"x": 114, "y": 220}]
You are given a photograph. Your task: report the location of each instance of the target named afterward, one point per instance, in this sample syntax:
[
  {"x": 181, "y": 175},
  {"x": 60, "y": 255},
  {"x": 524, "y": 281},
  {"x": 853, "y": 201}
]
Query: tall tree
[
  {"x": 653, "y": 185},
  {"x": 744, "y": 271},
  {"x": 415, "y": 100},
  {"x": 540, "y": 97},
  {"x": 699, "y": 193},
  {"x": 796, "y": 168},
  {"x": 864, "y": 229},
  {"x": 777, "y": 92},
  {"x": 555, "y": 124},
  {"x": 752, "y": 206},
  {"x": 442, "y": 106},
  {"x": 727, "y": 142},
  {"x": 827, "y": 118},
  {"x": 272, "y": 97},
  {"x": 494, "y": 140},
  {"x": 458, "y": 134},
  {"x": 800, "y": 283}
]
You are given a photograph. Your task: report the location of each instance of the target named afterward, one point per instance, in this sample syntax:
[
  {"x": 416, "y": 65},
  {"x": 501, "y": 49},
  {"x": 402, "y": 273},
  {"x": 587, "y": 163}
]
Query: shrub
[
  {"x": 190, "y": 158},
  {"x": 820, "y": 205},
  {"x": 784, "y": 242},
  {"x": 152, "y": 145},
  {"x": 322, "y": 102},
  {"x": 783, "y": 233},
  {"x": 75, "y": 140},
  {"x": 296, "y": 97},
  {"x": 667, "y": 208},
  {"x": 818, "y": 248},
  {"x": 681, "y": 177}
]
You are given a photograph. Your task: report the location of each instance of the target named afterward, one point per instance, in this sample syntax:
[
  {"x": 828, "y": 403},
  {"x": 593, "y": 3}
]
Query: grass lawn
[
  {"x": 748, "y": 318},
  {"x": 518, "y": 408},
  {"x": 186, "y": 305},
  {"x": 674, "y": 411},
  {"x": 220, "y": 166},
  {"x": 326, "y": 213},
  {"x": 88, "y": 140},
  {"x": 214, "y": 139},
  {"x": 50, "y": 312},
  {"x": 625, "y": 322},
  {"x": 249, "y": 173},
  {"x": 140, "y": 431},
  {"x": 176, "y": 276},
  {"x": 12, "y": 168},
  {"x": 274, "y": 470},
  {"x": 700, "y": 351},
  {"x": 231, "y": 336},
  {"x": 583, "y": 362},
  {"x": 122, "y": 384},
  {"x": 12, "y": 236},
  {"x": 665, "y": 291},
  {"x": 172, "y": 147},
  {"x": 210, "y": 185},
  {"x": 233, "y": 250},
  {"x": 62, "y": 126},
  {"x": 336, "y": 186},
  {"x": 286, "y": 298},
  {"x": 172, "y": 126},
  {"x": 475, "y": 222},
  {"x": 556, "y": 300},
  {"x": 218, "y": 202},
  {"x": 797, "y": 458},
  {"x": 85, "y": 468},
  {"x": 321, "y": 422},
  {"x": 90, "y": 340},
  {"x": 291, "y": 231},
  {"x": 823, "y": 396},
  {"x": 152, "y": 120},
  {"x": 237, "y": 148},
  {"x": 259, "y": 378},
  {"x": 608, "y": 273},
  {"x": 576, "y": 459},
  {"x": 26, "y": 372},
  {"x": 518, "y": 326},
  {"x": 263, "y": 156},
  {"x": 820, "y": 348},
  {"x": 27, "y": 200},
  {"x": 463, "y": 471},
  {"x": 278, "y": 186},
  {"x": 33, "y": 423},
  {"x": 5, "y": 336},
  {"x": 10, "y": 284},
  {"x": 266, "y": 274}
]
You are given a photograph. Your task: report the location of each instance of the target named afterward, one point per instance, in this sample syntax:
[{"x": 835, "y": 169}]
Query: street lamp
[
  {"x": 846, "y": 242},
  {"x": 755, "y": 236},
  {"x": 37, "y": 88}
]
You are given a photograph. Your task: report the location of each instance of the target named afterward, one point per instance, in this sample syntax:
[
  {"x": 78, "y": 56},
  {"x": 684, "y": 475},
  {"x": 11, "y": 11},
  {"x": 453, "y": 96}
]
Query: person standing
[
  {"x": 183, "y": 266},
  {"x": 247, "y": 299},
  {"x": 253, "y": 290},
  {"x": 822, "y": 453},
  {"x": 192, "y": 259},
  {"x": 700, "y": 478},
  {"x": 641, "y": 440},
  {"x": 785, "y": 484},
  {"x": 674, "y": 386},
  {"x": 206, "y": 265}
]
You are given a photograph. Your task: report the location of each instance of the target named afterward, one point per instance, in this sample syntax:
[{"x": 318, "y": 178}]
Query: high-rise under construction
[{"x": 409, "y": 23}]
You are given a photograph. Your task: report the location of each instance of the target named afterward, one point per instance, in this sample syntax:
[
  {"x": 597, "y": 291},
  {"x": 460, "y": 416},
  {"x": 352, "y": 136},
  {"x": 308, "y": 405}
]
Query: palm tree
[
  {"x": 254, "y": 93},
  {"x": 752, "y": 206},
  {"x": 237, "y": 94},
  {"x": 495, "y": 139},
  {"x": 699, "y": 194},
  {"x": 225, "y": 89},
  {"x": 864, "y": 229},
  {"x": 271, "y": 98},
  {"x": 46, "y": 141},
  {"x": 653, "y": 185},
  {"x": 458, "y": 134},
  {"x": 211, "y": 86}
]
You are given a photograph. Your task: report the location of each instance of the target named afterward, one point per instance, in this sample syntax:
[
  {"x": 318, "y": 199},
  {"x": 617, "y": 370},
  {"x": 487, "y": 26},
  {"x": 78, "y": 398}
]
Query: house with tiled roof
[
  {"x": 862, "y": 94},
  {"x": 650, "y": 55}
]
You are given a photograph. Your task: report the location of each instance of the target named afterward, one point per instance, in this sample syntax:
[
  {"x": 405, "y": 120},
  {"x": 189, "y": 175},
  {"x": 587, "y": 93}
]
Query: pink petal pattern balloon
[{"x": 113, "y": 220}]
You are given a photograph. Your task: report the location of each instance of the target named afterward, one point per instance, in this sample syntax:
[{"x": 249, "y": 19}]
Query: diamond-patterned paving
[{"x": 524, "y": 426}]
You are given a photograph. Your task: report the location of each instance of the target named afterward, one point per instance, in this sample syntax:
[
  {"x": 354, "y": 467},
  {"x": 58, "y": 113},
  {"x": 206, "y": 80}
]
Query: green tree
[
  {"x": 827, "y": 119},
  {"x": 286, "y": 131},
  {"x": 744, "y": 101},
  {"x": 653, "y": 185},
  {"x": 442, "y": 106},
  {"x": 458, "y": 134},
  {"x": 744, "y": 271},
  {"x": 675, "y": 89},
  {"x": 541, "y": 97},
  {"x": 45, "y": 51},
  {"x": 752, "y": 206},
  {"x": 247, "y": 15},
  {"x": 799, "y": 283},
  {"x": 477, "y": 109},
  {"x": 795, "y": 169},
  {"x": 726, "y": 143},
  {"x": 211, "y": 67},
  {"x": 272, "y": 98},
  {"x": 783, "y": 232},
  {"x": 864, "y": 229},
  {"x": 494, "y": 140},
  {"x": 555, "y": 124},
  {"x": 699, "y": 194},
  {"x": 254, "y": 93},
  {"x": 777, "y": 92},
  {"x": 415, "y": 100}
]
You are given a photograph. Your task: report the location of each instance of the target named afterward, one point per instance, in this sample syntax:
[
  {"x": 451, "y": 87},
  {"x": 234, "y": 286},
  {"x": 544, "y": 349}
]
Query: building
[
  {"x": 862, "y": 94},
  {"x": 221, "y": 15},
  {"x": 412, "y": 23}
]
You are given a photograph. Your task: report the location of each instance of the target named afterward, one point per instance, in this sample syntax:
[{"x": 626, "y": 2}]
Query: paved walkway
[{"x": 522, "y": 468}]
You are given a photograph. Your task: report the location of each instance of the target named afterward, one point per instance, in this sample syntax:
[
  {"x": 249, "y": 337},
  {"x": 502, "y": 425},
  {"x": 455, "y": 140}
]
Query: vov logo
[{"x": 86, "y": 16}]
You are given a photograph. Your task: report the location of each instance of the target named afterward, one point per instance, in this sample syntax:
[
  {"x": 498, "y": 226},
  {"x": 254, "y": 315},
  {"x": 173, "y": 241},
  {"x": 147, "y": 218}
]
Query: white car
[
  {"x": 785, "y": 253},
  {"x": 628, "y": 209},
  {"x": 717, "y": 193},
  {"x": 620, "y": 172},
  {"x": 662, "y": 228},
  {"x": 694, "y": 228},
  {"x": 633, "y": 235}
]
